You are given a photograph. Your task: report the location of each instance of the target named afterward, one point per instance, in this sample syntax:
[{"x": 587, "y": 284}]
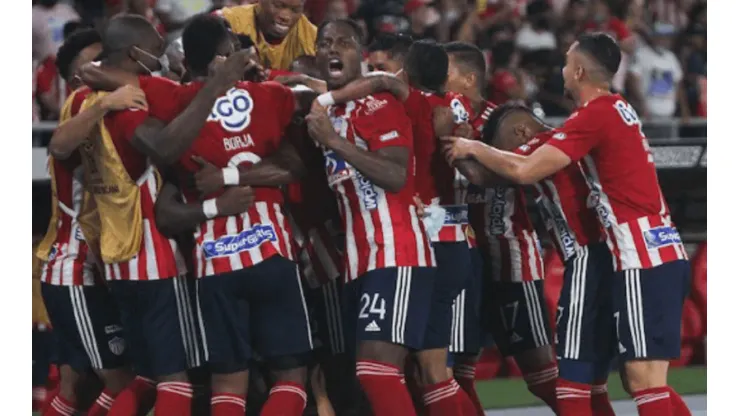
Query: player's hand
[
  {"x": 209, "y": 178},
  {"x": 227, "y": 72},
  {"x": 123, "y": 98},
  {"x": 419, "y": 206},
  {"x": 235, "y": 200},
  {"x": 456, "y": 148},
  {"x": 319, "y": 125},
  {"x": 464, "y": 130}
]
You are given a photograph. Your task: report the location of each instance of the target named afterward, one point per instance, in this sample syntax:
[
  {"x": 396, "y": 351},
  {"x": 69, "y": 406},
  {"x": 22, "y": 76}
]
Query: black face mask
[{"x": 48, "y": 3}]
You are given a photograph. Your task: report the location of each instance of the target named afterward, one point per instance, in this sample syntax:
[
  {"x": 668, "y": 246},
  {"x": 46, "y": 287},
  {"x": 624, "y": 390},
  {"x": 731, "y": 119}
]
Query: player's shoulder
[
  {"x": 383, "y": 101},
  {"x": 76, "y": 98}
]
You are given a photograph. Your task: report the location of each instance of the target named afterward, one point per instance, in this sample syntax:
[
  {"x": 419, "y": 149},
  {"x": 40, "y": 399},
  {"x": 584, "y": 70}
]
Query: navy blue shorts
[
  {"x": 260, "y": 308},
  {"x": 87, "y": 329},
  {"x": 159, "y": 324},
  {"x": 519, "y": 322},
  {"x": 466, "y": 334},
  {"x": 391, "y": 304},
  {"x": 325, "y": 310},
  {"x": 585, "y": 327},
  {"x": 454, "y": 272},
  {"x": 648, "y": 304}
]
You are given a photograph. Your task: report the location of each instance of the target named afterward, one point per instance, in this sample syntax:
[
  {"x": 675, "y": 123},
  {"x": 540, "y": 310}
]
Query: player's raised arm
[
  {"x": 174, "y": 217},
  {"x": 72, "y": 132},
  {"x": 522, "y": 170},
  {"x": 165, "y": 144},
  {"x": 106, "y": 78},
  {"x": 372, "y": 84},
  {"x": 385, "y": 167}
]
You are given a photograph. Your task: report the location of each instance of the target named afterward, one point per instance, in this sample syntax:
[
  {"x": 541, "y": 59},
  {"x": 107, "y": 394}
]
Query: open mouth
[
  {"x": 335, "y": 67},
  {"x": 281, "y": 28}
]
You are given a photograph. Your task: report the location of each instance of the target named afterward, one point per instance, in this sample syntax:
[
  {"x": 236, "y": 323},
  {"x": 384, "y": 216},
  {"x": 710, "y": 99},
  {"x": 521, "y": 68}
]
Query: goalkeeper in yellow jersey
[{"x": 279, "y": 29}]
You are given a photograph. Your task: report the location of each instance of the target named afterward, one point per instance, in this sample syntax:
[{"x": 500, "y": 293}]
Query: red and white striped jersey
[
  {"x": 70, "y": 261},
  {"x": 606, "y": 135},
  {"x": 562, "y": 201},
  {"x": 437, "y": 182},
  {"x": 381, "y": 228},
  {"x": 510, "y": 239},
  {"x": 475, "y": 197},
  {"x": 245, "y": 126},
  {"x": 313, "y": 215}
]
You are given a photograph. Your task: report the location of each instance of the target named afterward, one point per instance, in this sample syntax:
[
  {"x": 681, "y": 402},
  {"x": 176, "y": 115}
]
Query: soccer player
[
  {"x": 466, "y": 76},
  {"x": 279, "y": 29},
  {"x": 145, "y": 270},
  {"x": 652, "y": 272},
  {"x": 433, "y": 114},
  {"x": 388, "y": 261},
  {"x": 249, "y": 289},
  {"x": 387, "y": 52},
  {"x": 86, "y": 323}
]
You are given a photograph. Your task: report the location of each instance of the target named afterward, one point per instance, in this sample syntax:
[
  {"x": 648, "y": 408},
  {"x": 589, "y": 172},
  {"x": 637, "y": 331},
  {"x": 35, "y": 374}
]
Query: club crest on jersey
[
  {"x": 459, "y": 113},
  {"x": 661, "y": 236},
  {"x": 117, "y": 345},
  {"x": 337, "y": 168},
  {"x": 236, "y": 243},
  {"x": 233, "y": 110}
]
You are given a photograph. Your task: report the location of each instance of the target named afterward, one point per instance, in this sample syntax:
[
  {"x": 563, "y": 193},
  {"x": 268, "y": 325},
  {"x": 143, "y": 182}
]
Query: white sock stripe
[
  {"x": 464, "y": 374},
  {"x": 62, "y": 407},
  {"x": 571, "y": 390},
  {"x": 442, "y": 391},
  {"x": 541, "y": 377},
  {"x": 289, "y": 389},
  {"x": 177, "y": 392},
  {"x": 653, "y": 398},
  {"x": 229, "y": 399},
  {"x": 176, "y": 384},
  {"x": 146, "y": 380},
  {"x": 572, "y": 396},
  {"x": 599, "y": 389},
  {"x": 104, "y": 400},
  {"x": 376, "y": 366}
]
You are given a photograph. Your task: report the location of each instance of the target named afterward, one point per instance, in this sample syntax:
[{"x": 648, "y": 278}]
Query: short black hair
[
  {"x": 72, "y": 47},
  {"x": 348, "y": 22},
  {"x": 200, "y": 40},
  {"x": 73, "y": 26},
  {"x": 471, "y": 58},
  {"x": 125, "y": 31},
  {"x": 494, "y": 119},
  {"x": 603, "y": 49},
  {"x": 395, "y": 44},
  {"x": 426, "y": 65}
]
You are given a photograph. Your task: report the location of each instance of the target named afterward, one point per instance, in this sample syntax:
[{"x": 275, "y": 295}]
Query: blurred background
[{"x": 663, "y": 74}]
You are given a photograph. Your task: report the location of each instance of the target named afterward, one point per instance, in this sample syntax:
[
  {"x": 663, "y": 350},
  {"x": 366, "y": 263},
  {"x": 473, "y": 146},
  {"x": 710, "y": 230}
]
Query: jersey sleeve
[
  {"x": 166, "y": 98},
  {"x": 579, "y": 134},
  {"x": 123, "y": 124},
  {"x": 283, "y": 101},
  {"x": 386, "y": 127}
]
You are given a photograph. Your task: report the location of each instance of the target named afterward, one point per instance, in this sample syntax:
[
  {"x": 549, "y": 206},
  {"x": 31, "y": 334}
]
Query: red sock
[
  {"x": 385, "y": 389},
  {"x": 465, "y": 376},
  {"x": 137, "y": 397},
  {"x": 227, "y": 404},
  {"x": 573, "y": 398},
  {"x": 173, "y": 398},
  {"x": 102, "y": 404},
  {"x": 49, "y": 398},
  {"x": 679, "y": 406},
  {"x": 441, "y": 399},
  {"x": 654, "y": 402},
  {"x": 39, "y": 397},
  {"x": 600, "y": 404},
  {"x": 542, "y": 384},
  {"x": 285, "y": 399},
  {"x": 61, "y": 407}
]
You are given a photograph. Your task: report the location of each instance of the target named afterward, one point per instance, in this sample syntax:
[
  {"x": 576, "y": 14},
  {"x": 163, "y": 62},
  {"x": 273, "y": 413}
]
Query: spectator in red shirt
[{"x": 504, "y": 84}]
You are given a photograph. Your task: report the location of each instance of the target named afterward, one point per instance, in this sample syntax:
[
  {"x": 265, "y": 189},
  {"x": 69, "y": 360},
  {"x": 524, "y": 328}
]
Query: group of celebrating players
[{"x": 353, "y": 235}]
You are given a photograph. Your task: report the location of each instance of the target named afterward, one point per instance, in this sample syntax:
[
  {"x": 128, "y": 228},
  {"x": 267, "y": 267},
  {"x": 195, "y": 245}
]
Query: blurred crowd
[{"x": 663, "y": 72}]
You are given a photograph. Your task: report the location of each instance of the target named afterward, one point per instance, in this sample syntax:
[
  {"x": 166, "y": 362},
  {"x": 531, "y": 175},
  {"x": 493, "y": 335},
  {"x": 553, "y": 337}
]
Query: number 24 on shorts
[{"x": 377, "y": 306}]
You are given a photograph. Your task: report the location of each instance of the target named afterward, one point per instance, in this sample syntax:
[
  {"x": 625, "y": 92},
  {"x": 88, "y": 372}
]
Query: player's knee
[
  {"x": 534, "y": 359},
  {"x": 381, "y": 351},
  {"x": 641, "y": 375},
  {"x": 294, "y": 375},
  {"x": 116, "y": 380},
  {"x": 433, "y": 365},
  {"x": 233, "y": 383},
  {"x": 181, "y": 376}
]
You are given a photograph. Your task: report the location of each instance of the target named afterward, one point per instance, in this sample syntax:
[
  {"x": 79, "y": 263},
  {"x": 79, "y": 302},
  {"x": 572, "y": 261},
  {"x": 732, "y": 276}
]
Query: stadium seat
[{"x": 699, "y": 281}]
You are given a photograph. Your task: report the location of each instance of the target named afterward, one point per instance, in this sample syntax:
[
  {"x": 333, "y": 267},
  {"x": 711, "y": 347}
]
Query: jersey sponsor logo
[
  {"x": 372, "y": 105},
  {"x": 459, "y": 113},
  {"x": 112, "y": 329},
  {"x": 456, "y": 214},
  {"x": 389, "y": 136},
  {"x": 560, "y": 225},
  {"x": 496, "y": 211},
  {"x": 337, "y": 169},
  {"x": 233, "y": 110},
  {"x": 367, "y": 190},
  {"x": 593, "y": 201},
  {"x": 559, "y": 136},
  {"x": 661, "y": 236},
  {"x": 236, "y": 243},
  {"x": 372, "y": 327}
]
